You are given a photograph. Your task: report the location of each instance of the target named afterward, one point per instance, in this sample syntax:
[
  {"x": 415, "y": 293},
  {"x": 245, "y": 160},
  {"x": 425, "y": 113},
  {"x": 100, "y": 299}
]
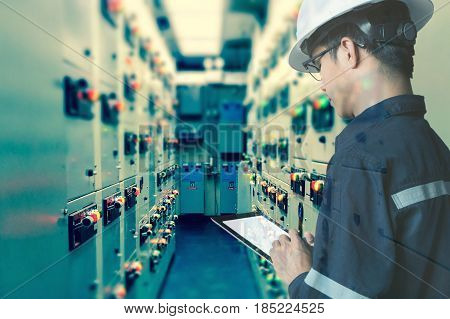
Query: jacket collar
[{"x": 394, "y": 106}]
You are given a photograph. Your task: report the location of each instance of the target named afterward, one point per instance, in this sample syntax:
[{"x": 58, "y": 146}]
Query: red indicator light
[
  {"x": 119, "y": 106},
  {"x": 92, "y": 95},
  {"x": 115, "y": 6}
]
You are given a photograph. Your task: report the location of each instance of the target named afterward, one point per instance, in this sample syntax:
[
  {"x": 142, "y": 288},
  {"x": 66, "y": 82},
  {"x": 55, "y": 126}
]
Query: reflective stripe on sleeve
[
  {"x": 330, "y": 287},
  {"x": 420, "y": 193}
]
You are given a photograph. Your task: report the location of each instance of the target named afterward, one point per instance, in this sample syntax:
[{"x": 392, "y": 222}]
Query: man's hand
[{"x": 292, "y": 256}]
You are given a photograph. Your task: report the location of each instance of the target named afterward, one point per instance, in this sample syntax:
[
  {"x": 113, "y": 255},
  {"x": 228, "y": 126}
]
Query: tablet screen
[{"x": 258, "y": 230}]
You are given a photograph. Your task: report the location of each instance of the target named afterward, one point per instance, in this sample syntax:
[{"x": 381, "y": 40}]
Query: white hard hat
[{"x": 316, "y": 13}]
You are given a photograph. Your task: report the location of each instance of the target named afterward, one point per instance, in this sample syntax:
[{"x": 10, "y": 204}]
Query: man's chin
[{"x": 338, "y": 110}]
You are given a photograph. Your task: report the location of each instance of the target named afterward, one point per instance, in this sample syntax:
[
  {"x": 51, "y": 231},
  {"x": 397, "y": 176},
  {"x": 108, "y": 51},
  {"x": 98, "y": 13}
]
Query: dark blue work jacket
[{"x": 383, "y": 229}]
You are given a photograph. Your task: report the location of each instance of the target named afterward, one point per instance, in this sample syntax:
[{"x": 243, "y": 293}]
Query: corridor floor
[{"x": 208, "y": 264}]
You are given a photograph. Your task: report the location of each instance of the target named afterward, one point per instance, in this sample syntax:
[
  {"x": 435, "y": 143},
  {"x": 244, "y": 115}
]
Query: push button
[
  {"x": 162, "y": 209},
  {"x": 317, "y": 185},
  {"x": 87, "y": 221},
  {"x": 92, "y": 95},
  {"x": 119, "y": 202},
  {"x": 136, "y": 191},
  {"x": 114, "y": 6},
  {"x": 119, "y": 291},
  {"x": 316, "y": 191},
  {"x": 119, "y": 106}
]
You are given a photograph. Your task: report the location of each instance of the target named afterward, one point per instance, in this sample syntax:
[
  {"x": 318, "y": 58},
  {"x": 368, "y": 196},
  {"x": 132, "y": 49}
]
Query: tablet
[{"x": 254, "y": 230}]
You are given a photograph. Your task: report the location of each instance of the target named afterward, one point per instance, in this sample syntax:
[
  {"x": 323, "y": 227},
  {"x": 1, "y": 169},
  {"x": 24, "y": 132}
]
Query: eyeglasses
[{"x": 313, "y": 65}]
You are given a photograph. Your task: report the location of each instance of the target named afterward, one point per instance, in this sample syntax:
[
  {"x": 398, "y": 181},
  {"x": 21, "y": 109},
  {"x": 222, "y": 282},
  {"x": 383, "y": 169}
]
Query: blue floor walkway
[{"x": 208, "y": 263}]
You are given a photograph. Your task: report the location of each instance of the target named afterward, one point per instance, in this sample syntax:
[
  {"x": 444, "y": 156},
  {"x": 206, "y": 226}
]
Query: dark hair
[{"x": 393, "y": 56}]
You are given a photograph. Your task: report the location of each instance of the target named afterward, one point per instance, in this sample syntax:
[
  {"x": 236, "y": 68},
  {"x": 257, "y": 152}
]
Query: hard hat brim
[{"x": 297, "y": 58}]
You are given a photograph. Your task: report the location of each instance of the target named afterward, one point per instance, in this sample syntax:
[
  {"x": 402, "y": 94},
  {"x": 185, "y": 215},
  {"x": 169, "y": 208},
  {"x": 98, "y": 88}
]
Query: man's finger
[
  {"x": 295, "y": 238},
  {"x": 284, "y": 239},
  {"x": 309, "y": 237},
  {"x": 276, "y": 244}
]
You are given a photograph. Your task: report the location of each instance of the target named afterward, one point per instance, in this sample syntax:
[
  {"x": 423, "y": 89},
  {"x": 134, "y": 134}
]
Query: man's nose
[{"x": 323, "y": 88}]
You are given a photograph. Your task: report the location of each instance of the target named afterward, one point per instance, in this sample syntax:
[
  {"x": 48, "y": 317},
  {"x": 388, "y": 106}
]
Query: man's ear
[{"x": 350, "y": 53}]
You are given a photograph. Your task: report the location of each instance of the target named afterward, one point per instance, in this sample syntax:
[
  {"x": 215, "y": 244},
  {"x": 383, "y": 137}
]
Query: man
[{"x": 383, "y": 230}]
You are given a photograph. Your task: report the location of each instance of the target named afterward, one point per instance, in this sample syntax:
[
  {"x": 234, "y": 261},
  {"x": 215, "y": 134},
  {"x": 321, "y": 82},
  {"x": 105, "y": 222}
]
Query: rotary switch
[
  {"x": 119, "y": 202},
  {"x": 88, "y": 221},
  {"x": 304, "y": 176},
  {"x": 146, "y": 231},
  {"x": 162, "y": 209},
  {"x": 154, "y": 259},
  {"x": 136, "y": 191},
  {"x": 171, "y": 224},
  {"x": 137, "y": 266},
  {"x": 132, "y": 272},
  {"x": 119, "y": 291},
  {"x": 316, "y": 191},
  {"x": 165, "y": 231},
  {"x": 156, "y": 253},
  {"x": 86, "y": 93},
  {"x": 317, "y": 186},
  {"x": 92, "y": 218},
  {"x": 271, "y": 189},
  {"x": 131, "y": 85},
  {"x": 159, "y": 241}
]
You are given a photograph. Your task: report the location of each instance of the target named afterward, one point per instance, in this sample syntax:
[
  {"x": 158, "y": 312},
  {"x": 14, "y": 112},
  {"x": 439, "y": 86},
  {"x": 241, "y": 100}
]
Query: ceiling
[{"x": 198, "y": 29}]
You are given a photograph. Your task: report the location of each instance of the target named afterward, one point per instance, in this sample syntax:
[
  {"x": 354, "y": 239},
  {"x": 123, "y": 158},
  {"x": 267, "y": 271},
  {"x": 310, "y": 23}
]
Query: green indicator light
[
  {"x": 298, "y": 110},
  {"x": 321, "y": 103}
]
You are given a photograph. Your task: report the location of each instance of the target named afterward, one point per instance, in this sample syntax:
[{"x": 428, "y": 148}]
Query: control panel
[
  {"x": 282, "y": 200},
  {"x": 130, "y": 194},
  {"x": 228, "y": 188},
  {"x": 131, "y": 85},
  {"x": 316, "y": 189},
  {"x": 79, "y": 98},
  {"x": 112, "y": 208},
  {"x": 165, "y": 175},
  {"x": 111, "y": 9},
  {"x": 283, "y": 149},
  {"x": 111, "y": 107},
  {"x": 299, "y": 115},
  {"x": 83, "y": 225},
  {"x": 192, "y": 188},
  {"x": 133, "y": 271},
  {"x": 131, "y": 30},
  {"x": 130, "y": 145},
  {"x": 323, "y": 114},
  {"x": 90, "y": 114},
  {"x": 298, "y": 181},
  {"x": 145, "y": 140}
]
